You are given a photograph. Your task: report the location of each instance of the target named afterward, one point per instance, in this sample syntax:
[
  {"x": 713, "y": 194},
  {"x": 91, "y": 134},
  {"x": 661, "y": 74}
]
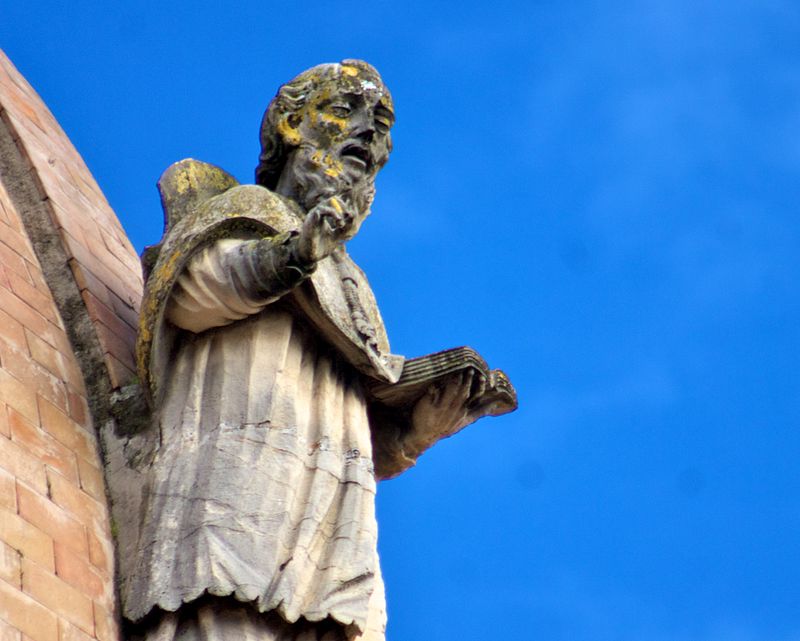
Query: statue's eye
[
  {"x": 382, "y": 125},
  {"x": 340, "y": 110}
]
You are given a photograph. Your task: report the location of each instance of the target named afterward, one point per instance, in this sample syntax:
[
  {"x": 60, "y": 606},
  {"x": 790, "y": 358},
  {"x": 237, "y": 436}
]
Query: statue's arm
[{"x": 235, "y": 278}]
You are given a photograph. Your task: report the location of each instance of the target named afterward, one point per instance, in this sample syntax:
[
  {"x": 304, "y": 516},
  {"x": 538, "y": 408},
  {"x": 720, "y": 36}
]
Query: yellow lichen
[
  {"x": 339, "y": 122},
  {"x": 290, "y": 135},
  {"x": 328, "y": 163}
]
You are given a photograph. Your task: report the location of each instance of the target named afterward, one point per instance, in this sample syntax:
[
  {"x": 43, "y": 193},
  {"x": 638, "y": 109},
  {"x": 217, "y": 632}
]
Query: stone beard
[{"x": 305, "y": 178}]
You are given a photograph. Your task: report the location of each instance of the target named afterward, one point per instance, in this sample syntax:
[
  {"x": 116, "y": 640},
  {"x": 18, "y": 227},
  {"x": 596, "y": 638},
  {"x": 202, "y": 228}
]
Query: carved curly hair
[{"x": 290, "y": 99}]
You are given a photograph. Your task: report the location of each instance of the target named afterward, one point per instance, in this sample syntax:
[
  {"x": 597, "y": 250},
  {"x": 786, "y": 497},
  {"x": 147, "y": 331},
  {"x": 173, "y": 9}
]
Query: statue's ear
[{"x": 187, "y": 184}]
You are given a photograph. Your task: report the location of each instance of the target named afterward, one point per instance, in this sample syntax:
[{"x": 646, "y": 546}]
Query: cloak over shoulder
[{"x": 202, "y": 204}]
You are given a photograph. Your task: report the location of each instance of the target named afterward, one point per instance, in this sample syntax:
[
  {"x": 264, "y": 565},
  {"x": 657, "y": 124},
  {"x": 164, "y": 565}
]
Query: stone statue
[{"x": 276, "y": 402}]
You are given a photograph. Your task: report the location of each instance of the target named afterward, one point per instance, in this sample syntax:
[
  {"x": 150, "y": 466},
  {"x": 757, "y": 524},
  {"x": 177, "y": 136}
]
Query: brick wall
[{"x": 69, "y": 289}]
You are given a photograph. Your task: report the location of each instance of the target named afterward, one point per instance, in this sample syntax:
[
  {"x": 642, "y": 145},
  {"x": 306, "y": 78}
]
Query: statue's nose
[
  {"x": 363, "y": 127},
  {"x": 366, "y": 133}
]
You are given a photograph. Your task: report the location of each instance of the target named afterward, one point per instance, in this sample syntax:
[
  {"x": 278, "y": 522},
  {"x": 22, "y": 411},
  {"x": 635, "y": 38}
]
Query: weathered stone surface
[
  {"x": 52, "y": 350},
  {"x": 271, "y": 384}
]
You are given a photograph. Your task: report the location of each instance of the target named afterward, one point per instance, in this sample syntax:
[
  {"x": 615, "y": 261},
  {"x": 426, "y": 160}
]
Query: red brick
[
  {"x": 8, "y": 213},
  {"x": 23, "y": 108},
  {"x": 10, "y": 565},
  {"x": 87, "y": 281},
  {"x": 4, "y": 280},
  {"x": 76, "y": 570},
  {"x": 100, "y": 312},
  {"x": 118, "y": 244},
  {"x": 42, "y": 158},
  {"x": 43, "y": 446},
  {"x": 91, "y": 479},
  {"x": 78, "y": 407},
  {"x": 18, "y": 309},
  {"x": 35, "y": 377},
  {"x": 31, "y": 542},
  {"x": 90, "y": 188},
  {"x": 56, "y": 336},
  {"x": 70, "y": 205},
  {"x": 101, "y": 552},
  {"x": 75, "y": 501},
  {"x": 38, "y": 279},
  {"x": 72, "y": 434},
  {"x": 118, "y": 347},
  {"x": 52, "y": 520},
  {"x": 18, "y": 242},
  {"x": 23, "y": 464},
  {"x": 119, "y": 373},
  {"x": 13, "y": 261},
  {"x": 39, "y": 299},
  {"x": 68, "y": 217},
  {"x": 12, "y": 332},
  {"x": 10, "y": 633},
  {"x": 54, "y": 361},
  {"x": 8, "y": 491},
  {"x": 11, "y": 80},
  {"x": 19, "y": 396},
  {"x": 96, "y": 259},
  {"x": 59, "y": 596},
  {"x": 68, "y": 632},
  {"x": 105, "y": 624},
  {"x": 5, "y": 428},
  {"x": 126, "y": 306},
  {"x": 20, "y": 88},
  {"x": 27, "y": 615},
  {"x": 30, "y": 132},
  {"x": 69, "y": 193}
]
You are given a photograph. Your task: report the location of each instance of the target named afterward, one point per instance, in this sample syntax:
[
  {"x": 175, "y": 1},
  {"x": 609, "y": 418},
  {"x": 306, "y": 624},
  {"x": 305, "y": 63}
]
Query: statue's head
[{"x": 334, "y": 119}]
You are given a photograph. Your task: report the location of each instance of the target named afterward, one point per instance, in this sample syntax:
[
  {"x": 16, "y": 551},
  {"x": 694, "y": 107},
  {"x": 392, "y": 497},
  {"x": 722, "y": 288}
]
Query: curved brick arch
[{"x": 70, "y": 283}]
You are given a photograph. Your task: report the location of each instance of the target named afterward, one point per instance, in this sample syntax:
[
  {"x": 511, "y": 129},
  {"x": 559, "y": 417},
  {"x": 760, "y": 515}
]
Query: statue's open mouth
[{"x": 358, "y": 153}]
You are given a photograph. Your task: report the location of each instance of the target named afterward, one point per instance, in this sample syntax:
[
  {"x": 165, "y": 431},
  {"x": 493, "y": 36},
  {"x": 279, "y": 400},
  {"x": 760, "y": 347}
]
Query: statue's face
[{"x": 346, "y": 123}]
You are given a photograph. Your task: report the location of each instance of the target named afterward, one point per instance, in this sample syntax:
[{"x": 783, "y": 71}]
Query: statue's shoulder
[
  {"x": 197, "y": 195},
  {"x": 186, "y": 185}
]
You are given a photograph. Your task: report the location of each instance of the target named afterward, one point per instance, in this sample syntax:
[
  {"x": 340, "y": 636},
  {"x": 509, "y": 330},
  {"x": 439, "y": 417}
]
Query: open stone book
[{"x": 420, "y": 373}]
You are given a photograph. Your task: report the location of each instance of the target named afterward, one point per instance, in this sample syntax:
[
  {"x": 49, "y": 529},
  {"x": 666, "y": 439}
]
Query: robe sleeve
[{"x": 232, "y": 279}]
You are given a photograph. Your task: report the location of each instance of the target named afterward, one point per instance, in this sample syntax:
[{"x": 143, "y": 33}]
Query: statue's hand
[
  {"x": 327, "y": 225},
  {"x": 445, "y": 409}
]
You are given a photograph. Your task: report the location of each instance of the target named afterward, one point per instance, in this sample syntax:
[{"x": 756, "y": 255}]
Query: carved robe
[{"x": 262, "y": 487}]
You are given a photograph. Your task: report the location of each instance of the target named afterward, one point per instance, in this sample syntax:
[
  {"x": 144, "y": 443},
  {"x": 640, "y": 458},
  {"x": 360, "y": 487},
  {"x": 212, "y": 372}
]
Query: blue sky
[{"x": 599, "y": 197}]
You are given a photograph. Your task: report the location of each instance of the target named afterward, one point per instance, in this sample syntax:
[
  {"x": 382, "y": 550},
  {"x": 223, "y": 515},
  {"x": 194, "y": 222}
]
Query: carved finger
[
  {"x": 466, "y": 385},
  {"x": 344, "y": 212},
  {"x": 334, "y": 202},
  {"x": 450, "y": 389},
  {"x": 478, "y": 388},
  {"x": 331, "y": 220},
  {"x": 457, "y": 392},
  {"x": 435, "y": 394}
]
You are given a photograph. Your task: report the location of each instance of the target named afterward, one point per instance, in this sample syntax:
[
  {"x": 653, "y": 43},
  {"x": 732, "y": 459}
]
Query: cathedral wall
[{"x": 69, "y": 289}]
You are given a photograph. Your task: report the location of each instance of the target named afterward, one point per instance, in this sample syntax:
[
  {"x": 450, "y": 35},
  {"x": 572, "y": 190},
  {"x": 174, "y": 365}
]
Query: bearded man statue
[{"x": 258, "y": 342}]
